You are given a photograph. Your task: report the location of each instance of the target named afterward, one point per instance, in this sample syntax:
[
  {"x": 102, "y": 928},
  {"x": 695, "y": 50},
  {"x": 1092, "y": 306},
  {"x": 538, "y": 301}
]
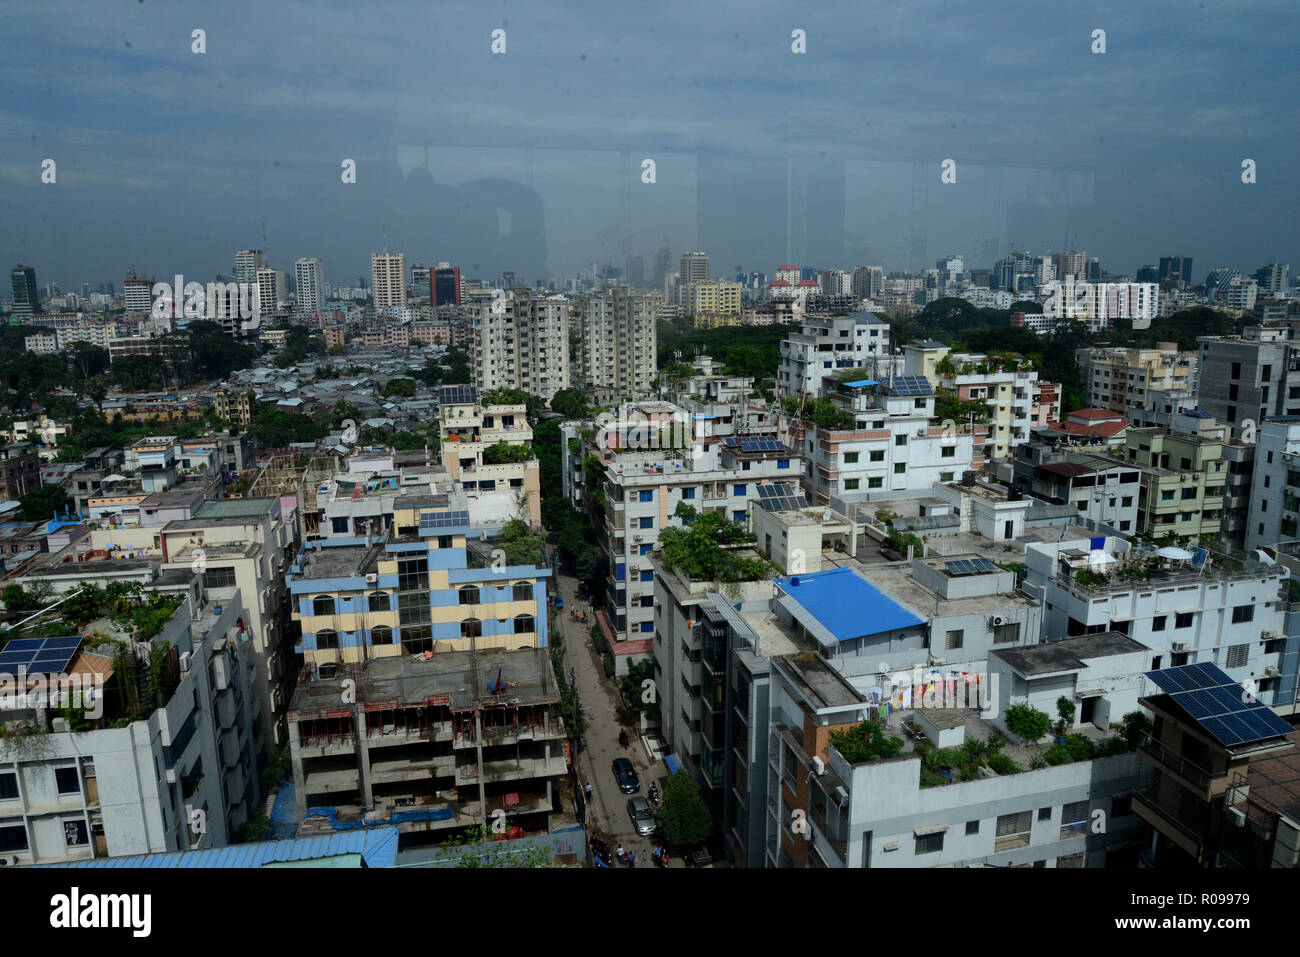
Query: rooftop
[
  {"x": 340, "y": 561},
  {"x": 844, "y": 604},
  {"x": 1068, "y": 654},
  {"x": 824, "y": 687}
]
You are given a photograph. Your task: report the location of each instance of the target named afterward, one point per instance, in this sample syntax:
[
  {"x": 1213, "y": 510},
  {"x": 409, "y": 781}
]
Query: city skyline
[{"x": 531, "y": 160}]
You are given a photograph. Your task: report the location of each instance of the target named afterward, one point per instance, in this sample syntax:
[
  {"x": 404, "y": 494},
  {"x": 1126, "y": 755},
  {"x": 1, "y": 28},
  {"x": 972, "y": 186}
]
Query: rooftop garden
[
  {"x": 499, "y": 453},
  {"x": 866, "y": 742},
  {"x": 699, "y": 550},
  {"x": 820, "y": 412}
]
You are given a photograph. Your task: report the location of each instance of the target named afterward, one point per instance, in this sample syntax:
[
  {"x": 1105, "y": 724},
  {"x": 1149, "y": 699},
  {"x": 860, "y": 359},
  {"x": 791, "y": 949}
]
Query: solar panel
[
  {"x": 457, "y": 395},
  {"x": 910, "y": 385},
  {"x": 969, "y": 566},
  {"x": 39, "y": 655},
  {"x": 1219, "y": 705},
  {"x": 444, "y": 519}
]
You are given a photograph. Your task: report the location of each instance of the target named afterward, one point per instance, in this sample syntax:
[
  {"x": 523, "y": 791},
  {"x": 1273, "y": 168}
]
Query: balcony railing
[{"x": 1185, "y": 769}]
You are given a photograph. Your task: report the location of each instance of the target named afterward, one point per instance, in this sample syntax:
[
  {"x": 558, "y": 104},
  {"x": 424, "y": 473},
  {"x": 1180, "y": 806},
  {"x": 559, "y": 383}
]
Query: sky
[{"x": 532, "y": 160}]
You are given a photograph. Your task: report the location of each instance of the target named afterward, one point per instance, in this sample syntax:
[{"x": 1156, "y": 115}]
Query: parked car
[
  {"x": 643, "y": 819},
  {"x": 626, "y": 777}
]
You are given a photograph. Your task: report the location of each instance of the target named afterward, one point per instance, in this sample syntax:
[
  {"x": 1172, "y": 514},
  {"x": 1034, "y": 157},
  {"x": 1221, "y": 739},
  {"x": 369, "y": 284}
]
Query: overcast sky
[{"x": 531, "y": 160}]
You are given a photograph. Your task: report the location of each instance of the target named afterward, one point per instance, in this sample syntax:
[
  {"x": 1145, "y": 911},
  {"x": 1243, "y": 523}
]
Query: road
[{"x": 608, "y": 816}]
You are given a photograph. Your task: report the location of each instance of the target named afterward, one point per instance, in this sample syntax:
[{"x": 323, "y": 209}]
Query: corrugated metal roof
[{"x": 377, "y": 847}]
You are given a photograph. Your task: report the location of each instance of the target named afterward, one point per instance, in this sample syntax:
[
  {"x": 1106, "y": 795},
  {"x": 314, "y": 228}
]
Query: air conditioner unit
[
  {"x": 372, "y": 579},
  {"x": 1181, "y": 646},
  {"x": 997, "y": 620},
  {"x": 186, "y": 657},
  {"x": 1237, "y": 816},
  {"x": 1272, "y": 672},
  {"x": 819, "y": 765},
  {"x": 636, "y": 538},
  {"x": 59, "y": 725},
  {"x": 1270, "y": 635}
]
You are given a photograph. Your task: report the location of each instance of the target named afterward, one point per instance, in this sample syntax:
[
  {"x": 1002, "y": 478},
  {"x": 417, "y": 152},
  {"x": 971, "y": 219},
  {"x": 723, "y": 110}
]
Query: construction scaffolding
[{"x": 283, "y": 475}]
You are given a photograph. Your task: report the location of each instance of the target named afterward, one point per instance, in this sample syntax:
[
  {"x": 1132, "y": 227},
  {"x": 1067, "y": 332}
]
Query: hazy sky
[{"x": 531, "y": 160}]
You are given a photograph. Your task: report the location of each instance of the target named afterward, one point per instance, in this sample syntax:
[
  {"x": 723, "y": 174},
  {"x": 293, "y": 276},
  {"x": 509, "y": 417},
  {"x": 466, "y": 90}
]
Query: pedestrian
[
  {"x": 622, "y": 855},
  {"x": 587, "y": 790},
  {"x": 631, "y": 859}
]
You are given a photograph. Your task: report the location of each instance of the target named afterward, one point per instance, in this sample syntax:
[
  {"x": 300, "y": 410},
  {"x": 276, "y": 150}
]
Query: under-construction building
[{"x": 433, "y": 743}]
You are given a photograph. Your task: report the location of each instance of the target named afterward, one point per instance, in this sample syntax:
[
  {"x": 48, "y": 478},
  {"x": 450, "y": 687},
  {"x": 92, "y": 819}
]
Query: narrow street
[{"x": 608, "y": 817}]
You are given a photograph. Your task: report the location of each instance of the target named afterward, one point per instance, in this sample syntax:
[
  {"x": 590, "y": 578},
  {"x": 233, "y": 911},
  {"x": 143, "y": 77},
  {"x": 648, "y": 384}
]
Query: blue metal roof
[
  {"x": 861, "y": 383},
  {"x": 846, "y": 604},
  {"x": 377, "y": 847}
]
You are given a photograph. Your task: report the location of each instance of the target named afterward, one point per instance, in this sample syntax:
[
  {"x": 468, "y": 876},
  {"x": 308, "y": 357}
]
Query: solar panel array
[
  {"x": 457, "y": 395},
  {"x": 754, "y": 443},
  {"x": 1219, "y": 705},
  {"x": 43, "y": 656},
  {"x": 444, "y": 519},
  {"x": 969, "y": 566},
  {"x": 910, "y": 385},
  {"x": 779, "y": 496}
]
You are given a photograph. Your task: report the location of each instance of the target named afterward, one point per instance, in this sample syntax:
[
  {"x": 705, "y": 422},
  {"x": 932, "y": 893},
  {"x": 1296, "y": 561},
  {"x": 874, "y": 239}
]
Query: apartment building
[
  {"x": 20, "y": 470},
  {"x": 520, "y": 342},
  {"x": 469, "y": 430},
  {"x": 825, "y": 346},
  {"x": 1124, "y": 380},
  {"x": 1209, "y": 609},
  {"x": 309, "y": 283},
  {"x": 889, "y": 813},
  {"x": 1218, "y": 785},
  {"x": 423, "y": 588},
  {"x": 388, "y": 277},
  {"x": 432, "y": 745},
  {"x": 1274, "y": 486},
  {"x": 1183, "y": 481},
  {"x": 617, "y": 354},
  {"x": 716, "y": 298},
  {"x": 1243, "y": 380},
  {"x": 236, "y": 407},
  {"x": 142, "y": 777},
  {"x": 868, "y": 281},
  {"x": 1104, "y": 489},
  {"x": 247, "y": 264},
  {"x": 1004, "y": 384},
  {"x": 1098, "y": 304},
  {"x": 893, "y": 445}
]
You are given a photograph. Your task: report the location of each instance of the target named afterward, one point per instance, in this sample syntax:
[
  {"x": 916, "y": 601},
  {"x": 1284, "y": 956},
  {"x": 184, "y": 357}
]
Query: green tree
[
  {"x": 500, "y": 453},
  {"x": 398, "y": 387},
  {"x": 478, "y": 847},
  {"x": 40, "y": 504},
  {"x": 683, "y": 816}
]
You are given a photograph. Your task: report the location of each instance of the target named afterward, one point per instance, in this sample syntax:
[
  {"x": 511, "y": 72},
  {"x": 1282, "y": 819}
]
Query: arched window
[
  {"x": 323, "y": 605},
  {"x": 523, "y": 591},
  {"x": 379, "y": 601},
  {"x": 471, "y": 628},
  {"x": 381, "y": 635},
  {"x": 327, "y": 640},
  {"x": 469, "y": 595},
  {"x": 524, "y": 624}
]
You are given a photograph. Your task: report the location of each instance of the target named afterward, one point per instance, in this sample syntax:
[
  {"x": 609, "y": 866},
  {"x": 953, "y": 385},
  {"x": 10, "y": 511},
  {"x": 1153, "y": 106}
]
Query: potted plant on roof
[{"x": 1065, "y": 716}]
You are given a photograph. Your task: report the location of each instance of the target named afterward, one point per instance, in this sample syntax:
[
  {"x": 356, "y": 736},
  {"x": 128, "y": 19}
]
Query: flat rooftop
[
  {"x": 823, "y": 686},
  {"x": 1069, "y": 654},
  {"x": 231, "y": 508},
  {"x": 896, "y": 581},
  {"x": 1274, "y": 780},
  {"x": 340, "y": 561},
  {"x": 845, "y": 604},
  {"x": 462, "y": 677}
]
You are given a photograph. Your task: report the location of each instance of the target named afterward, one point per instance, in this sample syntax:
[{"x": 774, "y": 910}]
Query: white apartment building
[
  {"x": 272, "y": 290},
  {"x": 1229, "y": 613},
  {"x": 137, "y": 294},
  {"x": 309, "y": 279},
  {"x": 520, "y": 342},
  {"x": 467, "y": 428},
  {"x": 1274, "y": 514},
  {"x": 617, "y": 350},
  {"x": 836, "y": 282},
  {"x": 182, "y": 778},
  {"x": 1127, "y": 380},
  {"x": 893, "y": 446},
  {"x": 826, "y": 345},
  {"x": 1098, "y": 304},
  {"x": 247, "y": 264},
  {"x": 388, "y": 276}
]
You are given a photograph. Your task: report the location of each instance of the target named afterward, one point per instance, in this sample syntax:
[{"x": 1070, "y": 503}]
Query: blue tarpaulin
[
  {"x": 397, "y": 817},
  {"x": 673, "y": 764}
]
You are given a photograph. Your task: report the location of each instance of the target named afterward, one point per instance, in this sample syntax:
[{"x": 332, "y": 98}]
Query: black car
[{"x": 626, "y": 777}]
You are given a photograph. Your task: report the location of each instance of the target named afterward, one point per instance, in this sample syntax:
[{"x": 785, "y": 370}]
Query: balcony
[{"x": 1189, "y": 771}]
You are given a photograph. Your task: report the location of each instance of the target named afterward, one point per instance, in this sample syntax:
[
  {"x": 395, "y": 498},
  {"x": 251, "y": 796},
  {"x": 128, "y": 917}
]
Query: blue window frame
[
  {"x": 738, "y": 515},
  {"x": 688, "y": 493},
  {"x": 647, "y": 626},
  {"x": 647, "y": 495},
  {"x": 647, "y": 576},
  {"x": 646, "y": 522},
  {"x": 783, "y": 463},
  {"x": 620, "y": 572},
  {"x": 738, "y": 489},
  {"x": 647, "y": 549}
]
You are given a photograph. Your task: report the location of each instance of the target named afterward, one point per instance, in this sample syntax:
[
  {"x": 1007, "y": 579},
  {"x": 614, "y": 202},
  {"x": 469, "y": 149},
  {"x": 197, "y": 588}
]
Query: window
[
  {"x": 1243, "y": 613},
  {"x": 522, "y": 591},
  {"x": 1074, "y": 819},
  {"x": 74, "y": 832},
  {"x": 13, "y": 838},
  {"x": 948, "y": 451},
  {"x": 1183, "y": 619},
  {"x": 646, "y": 549},
  {"x": 327, "y": 640},
  {"x": 877, "y": 455},
  {"x": 469, "y": 596},
  {"x": 525, "y": 624},
  {"x": 972, "y": 827},
  {"x": 339, "y": 525},
  {"x": 1044, "y": 813},
  {"x": 471, "y": 628},
  {"x": 1237, "y": 655},
  {"x": 900, "y": 468},
  {"x": 647, "y": 627},
  {"x": 876, "y": 482},
  {"x": 851, "y": 484},
  {"x": 1006, "y": 634},
  {"x": 647, "y": 576},
  {"x": 1188, "y": 493},
  {"x": 1127, "y": 501},
  {"x": 929, "y": 843},
  {"x": 67, "y": 781},
  {"x": 946, "y": 476},
  {"x": 646, "y": 521},
  {"x": 1012, "y": 831},
  {"x": 1167, "y": 495},
  {"x": 688, "y": 493},
  {"x": 1121, "y": 806},
  {"x": 381, "y": 635},
  {"x": 850, "y": 457},
  {"x": 380, "y": 601},
  {"x": 1158, "y": 623},
  {"x": 219, "y": 578},
  {"x": 900, "y": 440},
  {"x": 953, "y": 639},
  {"x": 8, "y": 786},
  {"x": 646, "y": 495},
  {"x": 444, "y": 541},
  {"x": 738, "y": 490},
  {"x": 1236, "y": 370},
  {"x": 323, "y": 605},
  {"x": 783, "y": 463}
]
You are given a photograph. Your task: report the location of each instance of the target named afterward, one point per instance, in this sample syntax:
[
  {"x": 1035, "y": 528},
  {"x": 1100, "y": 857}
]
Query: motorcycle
[{"x": 600, "y": 851}]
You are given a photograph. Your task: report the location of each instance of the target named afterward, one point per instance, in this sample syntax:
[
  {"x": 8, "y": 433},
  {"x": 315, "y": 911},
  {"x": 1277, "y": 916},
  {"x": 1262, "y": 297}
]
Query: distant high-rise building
[
  {"x": 1216, "y": 282},
  {"x": 1272, "y": 278},
  {"x": 522, "y": 343},
  {"x": 835, "y": 282},
  {"x": 446, "y": 285},
  {"x": 388, "y": 275},
  {"x": 694, "y": 268},
  {"x": 310, "y": 280},
  {"x": 247, "y": 263},
  {"x": 421, "y": 285},
  {"x": 271, "y": 290},
  {"x": 1072, "y": 263},
  {"x": 868, "y": 281},
  {"x": 1176, "y": 269},
  {"x": 616, "y": 342},
  {"x": 138, "y": 294},
  {"x": 663, "y": 262},
  {"x": 27, "y": 300},
  {"x": 1148, "y": 274}
]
